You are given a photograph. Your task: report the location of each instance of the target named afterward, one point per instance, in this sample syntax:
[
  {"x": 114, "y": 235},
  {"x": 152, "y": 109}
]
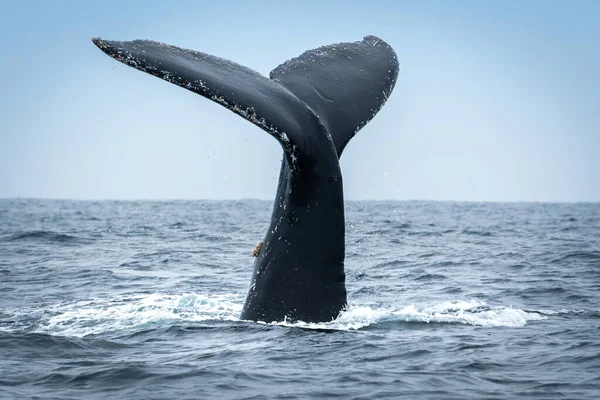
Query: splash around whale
[{"x": 312, "y": 105}]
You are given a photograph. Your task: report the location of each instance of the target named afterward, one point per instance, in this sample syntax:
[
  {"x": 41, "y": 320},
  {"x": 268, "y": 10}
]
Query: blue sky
[{"x": 495, "y": 101}]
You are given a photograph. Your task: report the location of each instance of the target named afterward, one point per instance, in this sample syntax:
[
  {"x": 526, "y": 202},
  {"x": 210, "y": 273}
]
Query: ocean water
[{"x": 447, "y": 300}]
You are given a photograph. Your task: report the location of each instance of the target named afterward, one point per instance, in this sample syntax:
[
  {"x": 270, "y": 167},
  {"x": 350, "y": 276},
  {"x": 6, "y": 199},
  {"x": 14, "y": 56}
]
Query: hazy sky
[{"x": 495, "y": 101}]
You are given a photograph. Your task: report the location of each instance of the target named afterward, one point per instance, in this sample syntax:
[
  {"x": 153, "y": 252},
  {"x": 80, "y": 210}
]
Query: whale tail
[
  {"x": 313, "y": 105},
  {"x": 342, "y": 85}
]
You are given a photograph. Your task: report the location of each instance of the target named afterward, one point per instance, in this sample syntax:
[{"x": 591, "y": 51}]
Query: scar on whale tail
[{"x": 312, "y": 105}]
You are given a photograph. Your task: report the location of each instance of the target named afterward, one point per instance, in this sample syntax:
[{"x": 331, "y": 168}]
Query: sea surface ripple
[{"x": 141, "y": 299}]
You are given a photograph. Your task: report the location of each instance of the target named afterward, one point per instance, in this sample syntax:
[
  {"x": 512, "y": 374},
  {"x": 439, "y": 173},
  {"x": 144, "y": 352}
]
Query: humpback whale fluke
[{"x": 313, "y": 105}]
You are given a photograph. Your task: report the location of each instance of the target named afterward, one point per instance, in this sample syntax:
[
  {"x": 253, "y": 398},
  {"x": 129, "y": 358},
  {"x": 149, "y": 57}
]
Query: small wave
[
  {"x": 39, "y": 343},
  {"x": 124, "y": 374},
  {"x": 429, "y": 277},
  {"x": 391, "y": 263},
  {"x": 378, "y": 232},
  {"x": 593, "y": 255},
  {"x": 570, "y": 313},
  {"x": 569, "y": 229},
  {"x": 424, "y": 233},
  {"x": 477, "y": 233},
  {"x": 210, "y": 238},
  {"x": 44, "y": 236},
  {"x": 427, "y": 255},
  {"x": 357, "y": 277}
]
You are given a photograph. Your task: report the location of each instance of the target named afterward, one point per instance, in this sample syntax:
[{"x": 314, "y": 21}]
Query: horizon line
[{"x": 270, "y": 200}]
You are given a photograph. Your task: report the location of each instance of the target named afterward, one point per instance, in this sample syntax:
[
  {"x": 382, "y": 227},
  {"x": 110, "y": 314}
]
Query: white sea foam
[
  {"x": 137, "y": 312},
  {"x": 352, "y": 319},
  {"x": 102, "y": 315},
  {"x": 475, "y": 312}
]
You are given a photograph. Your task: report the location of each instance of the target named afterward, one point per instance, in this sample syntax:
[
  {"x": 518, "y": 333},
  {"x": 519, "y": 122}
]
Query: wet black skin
[{"x": 299, "y": 273}]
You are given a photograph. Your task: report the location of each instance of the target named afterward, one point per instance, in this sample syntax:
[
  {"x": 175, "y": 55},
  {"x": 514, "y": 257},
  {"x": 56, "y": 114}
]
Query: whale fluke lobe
[
  {"x": 240, "y": 89},
  {"x": 345, "y": 84},
  {"x": 312, "y": 105}
]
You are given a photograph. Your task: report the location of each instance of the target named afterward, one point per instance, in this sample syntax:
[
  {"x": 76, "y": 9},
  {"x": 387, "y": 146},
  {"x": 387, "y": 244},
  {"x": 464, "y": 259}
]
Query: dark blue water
[{"x": 447, "y": 301}]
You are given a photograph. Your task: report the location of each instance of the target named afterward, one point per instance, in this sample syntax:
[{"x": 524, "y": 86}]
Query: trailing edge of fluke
[{"x": 312, "y": 105}]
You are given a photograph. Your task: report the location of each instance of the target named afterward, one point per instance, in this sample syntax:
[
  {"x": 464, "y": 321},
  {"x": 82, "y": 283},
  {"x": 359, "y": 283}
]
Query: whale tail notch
[{"x": 343, "y": 85}]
